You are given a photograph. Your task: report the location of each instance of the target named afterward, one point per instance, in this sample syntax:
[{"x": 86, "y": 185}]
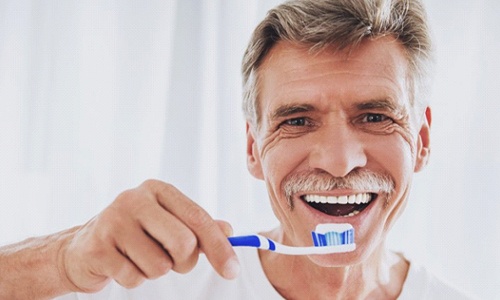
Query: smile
[{"x": 342, "y": 206}]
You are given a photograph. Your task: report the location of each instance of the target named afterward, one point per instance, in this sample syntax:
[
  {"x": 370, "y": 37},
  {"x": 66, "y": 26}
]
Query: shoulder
[{"x": 420, "y": 283}]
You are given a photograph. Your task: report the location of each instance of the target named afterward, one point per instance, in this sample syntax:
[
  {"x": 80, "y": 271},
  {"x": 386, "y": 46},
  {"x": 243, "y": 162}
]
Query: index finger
[{"x": 211, "y": 238}]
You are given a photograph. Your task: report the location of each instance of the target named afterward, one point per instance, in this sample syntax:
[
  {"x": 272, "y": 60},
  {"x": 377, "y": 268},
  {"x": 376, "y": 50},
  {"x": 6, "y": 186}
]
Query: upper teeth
[{"x": 351, "y": 199}]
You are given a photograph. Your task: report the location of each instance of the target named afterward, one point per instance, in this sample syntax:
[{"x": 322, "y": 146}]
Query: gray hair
[{"x": 340, "y": 24}]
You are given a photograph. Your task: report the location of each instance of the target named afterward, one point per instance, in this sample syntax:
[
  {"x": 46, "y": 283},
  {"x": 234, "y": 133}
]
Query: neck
[{"x": 381, "y": 276}]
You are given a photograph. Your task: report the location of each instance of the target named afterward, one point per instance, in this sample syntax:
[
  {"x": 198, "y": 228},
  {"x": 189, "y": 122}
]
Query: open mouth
[{"x": 343, "y": 206}]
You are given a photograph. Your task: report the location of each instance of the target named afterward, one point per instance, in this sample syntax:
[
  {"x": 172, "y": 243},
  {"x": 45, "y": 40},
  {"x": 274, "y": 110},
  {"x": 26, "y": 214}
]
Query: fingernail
[
  {"x": 232, "y": 269},
  {"x": 229, "y": 230}
]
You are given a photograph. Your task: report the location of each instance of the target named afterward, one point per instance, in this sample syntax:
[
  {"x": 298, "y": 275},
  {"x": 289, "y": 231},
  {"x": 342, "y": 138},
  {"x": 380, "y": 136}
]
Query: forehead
[{"x": 376, "y": 69}]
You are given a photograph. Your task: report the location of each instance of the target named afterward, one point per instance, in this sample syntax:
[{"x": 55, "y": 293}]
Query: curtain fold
[{"x": 98, "y": 96}]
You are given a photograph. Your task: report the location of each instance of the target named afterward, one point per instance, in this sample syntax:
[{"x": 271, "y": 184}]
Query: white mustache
[{"x": 321, "y": 181}]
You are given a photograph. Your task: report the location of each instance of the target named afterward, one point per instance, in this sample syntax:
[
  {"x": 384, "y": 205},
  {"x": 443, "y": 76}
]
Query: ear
[
  {"x": 423, "y": 143},
  {"x": 253, "y": 159}
]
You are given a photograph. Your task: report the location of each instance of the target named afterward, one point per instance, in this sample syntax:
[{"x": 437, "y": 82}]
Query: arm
[
  {"x": 29, "y": 269},
  {"x": 143, "y": 234}
]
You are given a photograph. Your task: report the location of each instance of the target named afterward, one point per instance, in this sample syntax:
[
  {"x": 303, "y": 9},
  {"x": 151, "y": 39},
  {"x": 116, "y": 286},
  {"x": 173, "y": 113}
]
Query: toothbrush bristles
[{"x": 333, "y": 238}]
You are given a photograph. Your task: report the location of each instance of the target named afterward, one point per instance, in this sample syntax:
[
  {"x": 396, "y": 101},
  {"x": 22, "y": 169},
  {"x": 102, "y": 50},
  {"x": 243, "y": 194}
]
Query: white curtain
[{"x": 97, "y": 96}]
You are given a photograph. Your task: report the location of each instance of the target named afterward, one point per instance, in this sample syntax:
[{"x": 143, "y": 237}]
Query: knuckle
[
  {"x": 130, "y": 201},
  {"x": 150, "y": 183},
  {"x": 185, "y": 252},
  {"x": 157, "y": 185},
  {"x": 161, "y": 268},
  {"x": 129, "y": 277},
  {"x": 128, "y": 204},
  {"x": 167, "y": 189},
  {"x": 161, "y": 191},
  {"x": 125, "y": 196},
  {"x": 187, "y": 244},
  {"x": 133, "y": 282},
  {"x": 187, "y": 264}
]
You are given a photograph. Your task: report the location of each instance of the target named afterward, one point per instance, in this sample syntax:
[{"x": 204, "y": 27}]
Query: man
[{"x": 336, "y": 110}]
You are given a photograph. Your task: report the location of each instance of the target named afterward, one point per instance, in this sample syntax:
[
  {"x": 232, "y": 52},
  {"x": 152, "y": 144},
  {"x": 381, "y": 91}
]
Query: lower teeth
[{"x": 352, "y": 214}]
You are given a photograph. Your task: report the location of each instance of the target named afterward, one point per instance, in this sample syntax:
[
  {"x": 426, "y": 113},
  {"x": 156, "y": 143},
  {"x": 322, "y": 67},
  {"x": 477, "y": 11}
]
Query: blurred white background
[{"x": 97, "y": 96}]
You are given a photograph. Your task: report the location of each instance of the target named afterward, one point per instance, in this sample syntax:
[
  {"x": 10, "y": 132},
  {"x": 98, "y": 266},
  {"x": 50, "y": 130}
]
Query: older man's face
[{"x": 344, "y": 116}]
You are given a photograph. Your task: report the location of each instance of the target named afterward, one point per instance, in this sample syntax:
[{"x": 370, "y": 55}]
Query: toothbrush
[{"x": 327, "y": 239}]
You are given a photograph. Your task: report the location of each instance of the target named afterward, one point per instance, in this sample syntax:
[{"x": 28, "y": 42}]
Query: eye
[
  {"x": 296, "y": 122},
  {"x": 375, "y": 118}
]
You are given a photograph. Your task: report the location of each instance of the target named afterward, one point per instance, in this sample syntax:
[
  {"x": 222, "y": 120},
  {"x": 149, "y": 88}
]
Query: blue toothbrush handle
[
  {"x": 252, "y": 241},
  {"x": 246, "y": 240}
]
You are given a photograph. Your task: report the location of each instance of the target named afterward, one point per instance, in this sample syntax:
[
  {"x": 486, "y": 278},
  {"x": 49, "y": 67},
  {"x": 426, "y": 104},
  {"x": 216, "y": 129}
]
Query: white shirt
[{"x": 204, "y": 283}]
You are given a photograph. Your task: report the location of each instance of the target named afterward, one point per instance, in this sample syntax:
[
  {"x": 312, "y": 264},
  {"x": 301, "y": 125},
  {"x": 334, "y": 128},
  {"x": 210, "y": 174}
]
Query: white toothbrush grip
[{"x": 314, "y": 250}]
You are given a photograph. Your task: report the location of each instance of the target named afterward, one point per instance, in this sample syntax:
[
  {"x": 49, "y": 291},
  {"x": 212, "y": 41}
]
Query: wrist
[
  {"x": 61, "y": 262},
  {"x": 30, "y": 269}
]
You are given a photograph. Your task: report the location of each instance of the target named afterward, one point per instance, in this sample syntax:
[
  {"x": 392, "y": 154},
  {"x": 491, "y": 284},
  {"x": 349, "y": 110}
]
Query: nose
[{"x": 338, "y": 150}]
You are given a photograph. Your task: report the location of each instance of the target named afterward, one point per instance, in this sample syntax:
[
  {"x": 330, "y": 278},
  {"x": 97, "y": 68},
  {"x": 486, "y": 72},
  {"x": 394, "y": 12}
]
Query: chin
[{"x": 339, "y": 260}]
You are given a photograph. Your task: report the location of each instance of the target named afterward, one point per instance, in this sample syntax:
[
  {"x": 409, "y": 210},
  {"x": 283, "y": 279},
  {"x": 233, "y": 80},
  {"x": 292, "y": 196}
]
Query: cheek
[
  {"x": 396, "y": 157},
  {"x": 395, "y": 154},
  {"x": 279, "y": 160},
  {"x": 280, "y": 157}
]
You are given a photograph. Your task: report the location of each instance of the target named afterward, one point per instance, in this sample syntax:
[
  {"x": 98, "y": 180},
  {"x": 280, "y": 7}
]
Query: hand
[{"x": 143, "y": 234}]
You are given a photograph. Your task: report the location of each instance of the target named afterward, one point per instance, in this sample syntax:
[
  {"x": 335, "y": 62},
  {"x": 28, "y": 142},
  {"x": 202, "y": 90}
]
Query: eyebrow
[
  {"x": 379, "y": 104},
  {"x": 286, "y": 110},
  {"x": 291, "y": 109}
]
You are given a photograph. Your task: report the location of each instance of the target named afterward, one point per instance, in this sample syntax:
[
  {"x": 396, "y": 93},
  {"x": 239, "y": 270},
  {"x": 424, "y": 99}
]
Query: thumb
[{"x": 225, "y": 227}]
